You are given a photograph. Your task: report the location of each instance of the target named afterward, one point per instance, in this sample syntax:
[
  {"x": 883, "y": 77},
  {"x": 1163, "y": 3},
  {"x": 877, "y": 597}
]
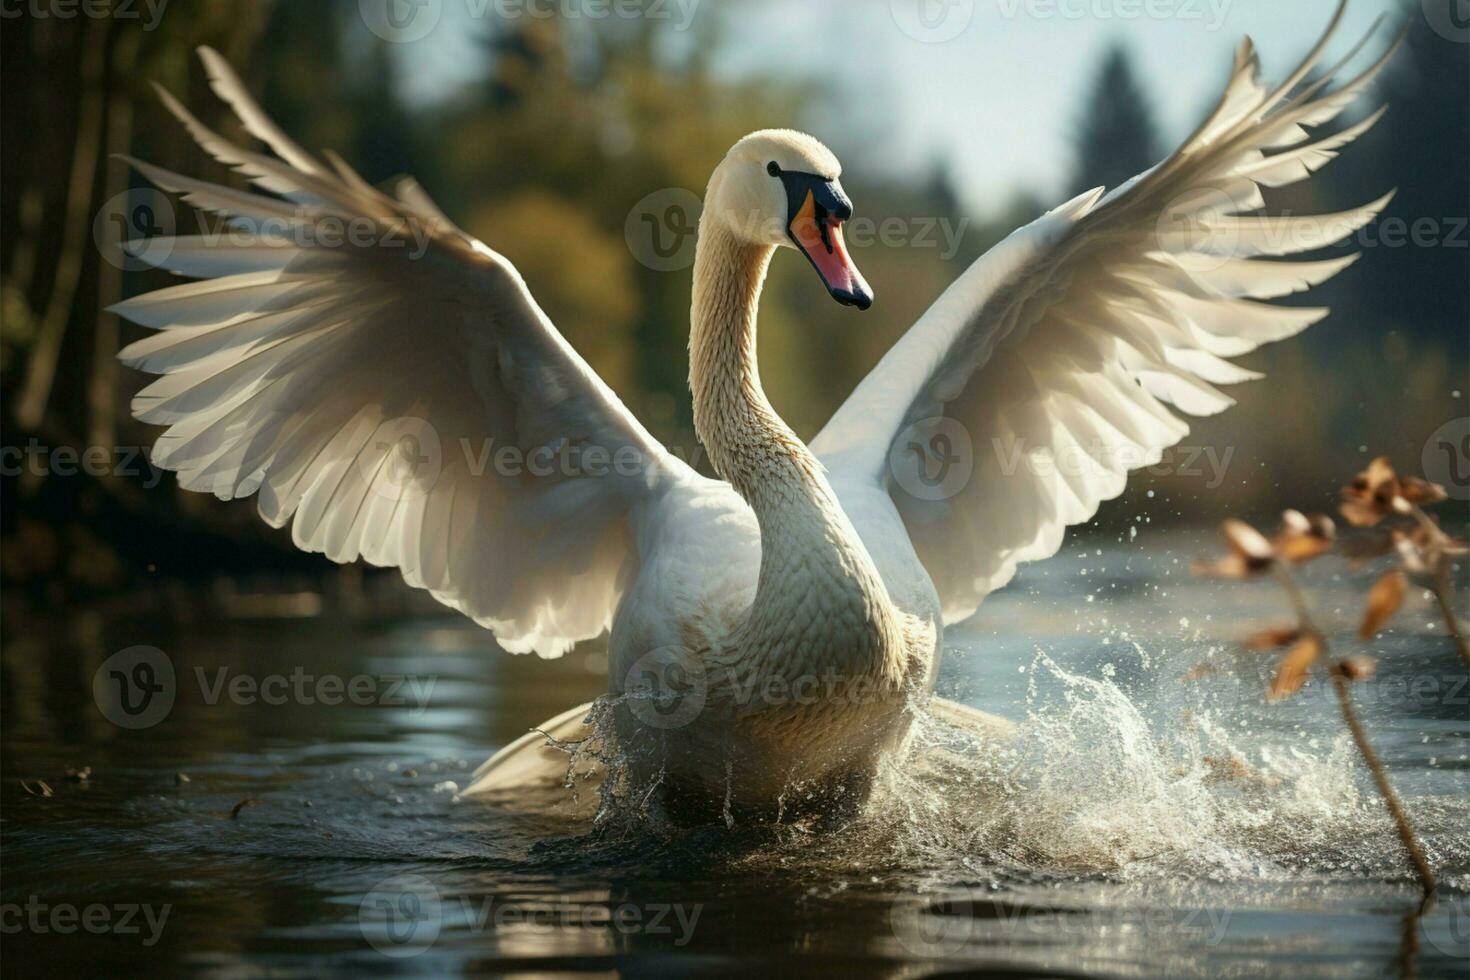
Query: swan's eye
[{"x": 773, "y": 169}]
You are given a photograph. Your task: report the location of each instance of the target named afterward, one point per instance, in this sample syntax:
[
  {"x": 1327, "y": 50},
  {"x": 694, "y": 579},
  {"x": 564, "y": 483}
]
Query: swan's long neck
[{"x": 813, "y": 567}]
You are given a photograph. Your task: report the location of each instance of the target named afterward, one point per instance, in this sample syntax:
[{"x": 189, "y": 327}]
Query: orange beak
[{"x": 817, "y": 231}]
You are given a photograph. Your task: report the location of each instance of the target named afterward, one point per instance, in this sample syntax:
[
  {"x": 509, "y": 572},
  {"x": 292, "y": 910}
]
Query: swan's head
[{"x": 779, "y": 187}]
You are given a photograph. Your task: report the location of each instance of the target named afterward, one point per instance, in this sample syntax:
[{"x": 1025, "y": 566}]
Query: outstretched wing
[
  {"x": 1048, "y": 365},
  {"x": 388, "y": 385}
]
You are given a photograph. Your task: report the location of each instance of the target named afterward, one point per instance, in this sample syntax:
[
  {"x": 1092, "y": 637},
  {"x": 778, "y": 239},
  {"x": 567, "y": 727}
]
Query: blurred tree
[
  {"x": 1389, "y": 366},
  {"x": 1418, "y": 278},
  {"x": 76, "y": 91},
  {"x": 1118, "y": 138},
  {"x": 571, "y": 123}
]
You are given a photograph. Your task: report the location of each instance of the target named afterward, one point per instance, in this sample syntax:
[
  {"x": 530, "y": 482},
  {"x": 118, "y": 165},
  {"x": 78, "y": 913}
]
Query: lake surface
[{"x": 291, "y": 810}]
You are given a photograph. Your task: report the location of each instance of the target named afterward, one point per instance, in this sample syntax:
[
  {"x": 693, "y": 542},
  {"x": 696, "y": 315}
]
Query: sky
[{"x": 994, "y": 88}]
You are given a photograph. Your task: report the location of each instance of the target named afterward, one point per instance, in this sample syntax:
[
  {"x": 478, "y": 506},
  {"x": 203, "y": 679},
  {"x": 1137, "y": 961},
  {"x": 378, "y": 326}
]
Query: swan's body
[{"x": 796, "y": 605}]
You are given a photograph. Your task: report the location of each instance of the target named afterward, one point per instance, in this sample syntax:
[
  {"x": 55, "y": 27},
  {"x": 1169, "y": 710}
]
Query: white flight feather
[{"x": 1067, "y": 339}]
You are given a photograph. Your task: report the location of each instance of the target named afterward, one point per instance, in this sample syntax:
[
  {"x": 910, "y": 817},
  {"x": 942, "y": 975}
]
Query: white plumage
[{"x": 362, "y": 389}]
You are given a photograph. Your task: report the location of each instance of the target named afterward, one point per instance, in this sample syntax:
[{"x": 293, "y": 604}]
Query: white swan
[{"x": 797, "y": 607}]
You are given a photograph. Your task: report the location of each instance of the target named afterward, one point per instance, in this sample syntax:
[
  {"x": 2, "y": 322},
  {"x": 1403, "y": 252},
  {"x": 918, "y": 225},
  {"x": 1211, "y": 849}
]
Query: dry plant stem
[
  {"x": 1360, "y": 736},
  {"x": 1444, "y": 595},
  {"x": 1409, "y": 942},
  {"x": 1444, "y": 592},
  {"x": 1380, "y": 779}
]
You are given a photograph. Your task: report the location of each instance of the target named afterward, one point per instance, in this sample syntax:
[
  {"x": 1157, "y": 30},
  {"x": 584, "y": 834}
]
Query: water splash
[{"x": 1096, "y": 782}]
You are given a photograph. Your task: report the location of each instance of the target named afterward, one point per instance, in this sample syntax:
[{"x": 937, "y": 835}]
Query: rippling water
[{"x": 1140, "y": 824}]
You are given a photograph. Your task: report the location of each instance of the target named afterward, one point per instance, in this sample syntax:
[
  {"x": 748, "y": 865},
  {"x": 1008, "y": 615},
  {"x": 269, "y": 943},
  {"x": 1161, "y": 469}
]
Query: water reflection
[{"x": 1105, "y": 844}]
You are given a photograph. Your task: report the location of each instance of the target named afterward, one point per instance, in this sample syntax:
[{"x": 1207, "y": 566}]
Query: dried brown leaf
[
  {"x": 1295, "y": 522},
  {"x": 1302, "y": 547},
  {"x": 1246, "y": 541},
  {"x": 1373, "y": 494},
  {"x": 1291, "y": 673},
  {"x": 1379, "y": 474},
  {"x": 1422, "y": 492},
  {"x": 1270, "y": 639},
  {"x": 1384, "y": 600},
  {"x": 1359, "y": 514},
  {"x": 1302, "y": 538}
]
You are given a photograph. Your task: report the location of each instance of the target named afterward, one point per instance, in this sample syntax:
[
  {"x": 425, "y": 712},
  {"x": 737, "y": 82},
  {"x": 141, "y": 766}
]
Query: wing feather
[
  {"x": 362, "y": 389},
  {"x": 1066, "y": 350}
]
